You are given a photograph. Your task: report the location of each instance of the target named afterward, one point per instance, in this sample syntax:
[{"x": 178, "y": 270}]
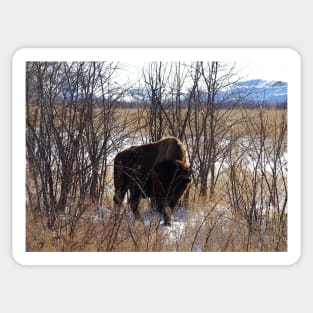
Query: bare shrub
[{"x": 70, "y": 125}]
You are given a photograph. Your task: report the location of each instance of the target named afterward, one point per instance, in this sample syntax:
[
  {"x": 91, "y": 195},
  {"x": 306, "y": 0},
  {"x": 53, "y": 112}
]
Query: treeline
[{"x": 244, "y": 105}]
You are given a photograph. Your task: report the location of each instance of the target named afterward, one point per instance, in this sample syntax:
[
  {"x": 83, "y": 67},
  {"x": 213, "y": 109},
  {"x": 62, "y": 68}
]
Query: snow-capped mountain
[
  {"x": 260, "y": 91},
  {"x": 255, "y": 91}
]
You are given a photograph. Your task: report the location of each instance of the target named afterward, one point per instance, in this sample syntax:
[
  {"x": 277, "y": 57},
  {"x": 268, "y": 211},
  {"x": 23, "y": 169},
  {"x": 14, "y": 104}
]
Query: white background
[
  {"x": 154, "y": 24},
  {"x": 288, "y": 56}
]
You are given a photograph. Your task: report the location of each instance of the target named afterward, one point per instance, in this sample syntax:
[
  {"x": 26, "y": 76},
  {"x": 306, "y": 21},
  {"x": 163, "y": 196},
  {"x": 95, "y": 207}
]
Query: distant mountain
[
  {"x": 256, "y": 91},
  {"x": 259, "y": 91}
]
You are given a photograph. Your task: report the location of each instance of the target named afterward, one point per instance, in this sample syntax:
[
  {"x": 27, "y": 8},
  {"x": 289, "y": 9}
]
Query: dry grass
[
  {"x": 136, "y": 118},
  {"x": 203, "y": 225},
  {"x": 215, "y": 232}
]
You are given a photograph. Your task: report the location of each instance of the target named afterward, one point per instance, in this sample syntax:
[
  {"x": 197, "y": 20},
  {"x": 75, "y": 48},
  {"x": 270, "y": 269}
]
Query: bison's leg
[
  {"x": 159, "y": 198},
  {"x": 119, "y": 193},
  {"x": 165, "y": 210},
  {"x": 167, "y": 215},
  {"x": 134, "y": 202},
  {"x": 120, "y": 184}
]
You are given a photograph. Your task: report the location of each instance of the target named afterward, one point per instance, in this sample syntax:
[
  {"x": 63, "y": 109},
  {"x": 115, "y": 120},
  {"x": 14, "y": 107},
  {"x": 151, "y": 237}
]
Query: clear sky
[
  {"x": 266, "y": 70},
  {"x": 256, "y": 69}
]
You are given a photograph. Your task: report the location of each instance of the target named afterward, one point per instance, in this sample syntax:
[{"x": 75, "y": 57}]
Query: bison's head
[
  {"x": 171, "y": 179},
  {"x": 180, "y": 183}
]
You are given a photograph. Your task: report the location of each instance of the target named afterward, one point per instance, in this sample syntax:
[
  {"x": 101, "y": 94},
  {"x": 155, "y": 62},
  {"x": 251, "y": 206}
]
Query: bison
[{"x": 159, "y": 171}]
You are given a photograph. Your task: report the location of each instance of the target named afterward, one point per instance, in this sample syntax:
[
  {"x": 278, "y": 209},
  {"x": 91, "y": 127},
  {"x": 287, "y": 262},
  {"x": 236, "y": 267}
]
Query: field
[
  {"x": 79, "y": 116},
  {"x": 237, "y": 200}
]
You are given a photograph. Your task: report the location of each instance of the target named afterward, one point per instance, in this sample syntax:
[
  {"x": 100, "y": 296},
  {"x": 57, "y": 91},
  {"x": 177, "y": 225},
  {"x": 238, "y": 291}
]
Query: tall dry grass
[{"x": 247, "y": 212}]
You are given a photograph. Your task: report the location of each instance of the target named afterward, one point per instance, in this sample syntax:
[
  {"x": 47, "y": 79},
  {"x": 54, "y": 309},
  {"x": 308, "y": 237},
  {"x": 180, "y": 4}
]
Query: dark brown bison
[{"x": 159, "y": 170}]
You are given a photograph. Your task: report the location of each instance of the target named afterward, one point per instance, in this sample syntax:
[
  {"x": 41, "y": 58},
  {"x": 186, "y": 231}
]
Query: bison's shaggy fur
[{"x": 158, "y": 170}]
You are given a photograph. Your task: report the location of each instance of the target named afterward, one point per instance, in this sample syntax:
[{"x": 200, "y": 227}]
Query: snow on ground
[
  {"x": 177, "y": 230},
  {"x": 249, "y": 159},
  {"x": 172, "y": 233}
]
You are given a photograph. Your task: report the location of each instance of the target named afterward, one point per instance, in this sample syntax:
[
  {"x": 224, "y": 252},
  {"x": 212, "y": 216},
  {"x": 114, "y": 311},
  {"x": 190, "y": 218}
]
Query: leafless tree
[
  {"x": 70, "y": 124},
  {"x": 210, "y": 121},
  {"x": 257, "y": 187},
  {"x": 156, "y": 78}
]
